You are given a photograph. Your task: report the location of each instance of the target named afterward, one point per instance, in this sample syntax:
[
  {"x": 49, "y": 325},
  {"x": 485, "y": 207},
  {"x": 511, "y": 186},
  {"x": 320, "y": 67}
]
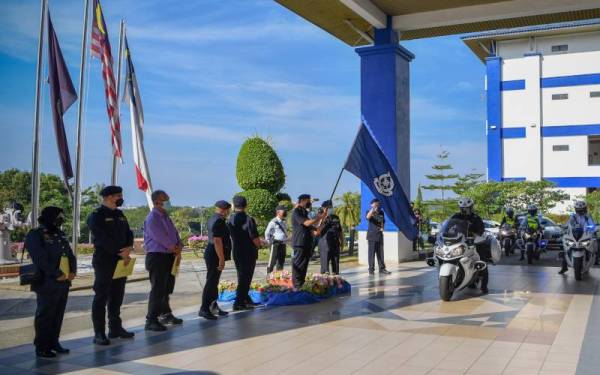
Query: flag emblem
[{"x": 384, "y": 184}]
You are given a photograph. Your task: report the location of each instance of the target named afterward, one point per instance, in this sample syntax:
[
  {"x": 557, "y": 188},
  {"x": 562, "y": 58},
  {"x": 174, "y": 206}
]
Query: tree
[
  {"x": 418, "y": 202},
  {"x": 593, "y": 201},
  {"x": 348, "y": 210},
  {"x": 441, "y": 178},
  {"x": 466, "y": 182}
]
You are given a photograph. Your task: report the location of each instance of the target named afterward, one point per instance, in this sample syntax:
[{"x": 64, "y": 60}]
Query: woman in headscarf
[{"x": 52, "y": 255}]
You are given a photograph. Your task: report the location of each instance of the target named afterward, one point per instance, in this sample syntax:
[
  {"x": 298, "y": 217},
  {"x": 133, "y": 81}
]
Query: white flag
[{"x": 132, "y": 97}]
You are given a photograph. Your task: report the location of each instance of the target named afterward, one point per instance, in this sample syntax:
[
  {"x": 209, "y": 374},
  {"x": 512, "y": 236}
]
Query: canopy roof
[{"x": 414, "y": 19}]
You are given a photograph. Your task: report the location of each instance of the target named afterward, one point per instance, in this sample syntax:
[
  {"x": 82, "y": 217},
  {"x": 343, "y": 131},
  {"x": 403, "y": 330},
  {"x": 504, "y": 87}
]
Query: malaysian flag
[{"x": 101, "y": 50}]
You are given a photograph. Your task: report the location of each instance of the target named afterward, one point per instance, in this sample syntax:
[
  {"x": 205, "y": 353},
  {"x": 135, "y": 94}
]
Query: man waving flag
[
  {"x": 132, "y": 96},
  {"x": 101, "y": 50},
  {"x": 368, "y": 162}
]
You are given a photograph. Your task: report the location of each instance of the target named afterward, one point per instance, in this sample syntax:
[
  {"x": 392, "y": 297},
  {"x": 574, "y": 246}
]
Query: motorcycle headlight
[
  {"x": 527, "y": 236},
  {"x": 458, "y": 251},
  {"x": 585, "y": 243},
  {"x": 569, "y": 243},
  {"x": 440, "y": 251}
]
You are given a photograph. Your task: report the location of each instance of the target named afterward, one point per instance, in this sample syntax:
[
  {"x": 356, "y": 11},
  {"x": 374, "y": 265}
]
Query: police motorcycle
[
  {"x": 530, "y": 243},
  {"x": 507, "y": 237},
  {"x": 579, "y": 245},
  {"x": 456, "y": 255}
]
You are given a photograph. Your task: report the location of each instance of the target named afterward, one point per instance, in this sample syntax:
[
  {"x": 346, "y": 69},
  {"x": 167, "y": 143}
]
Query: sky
[{"x": 213, "y": 73}]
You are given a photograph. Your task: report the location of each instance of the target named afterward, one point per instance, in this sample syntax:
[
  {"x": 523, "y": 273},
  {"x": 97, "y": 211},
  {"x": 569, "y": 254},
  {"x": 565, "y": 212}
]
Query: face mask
[
  {"x": 119, "y": 202},
  {"x": 284, "y": 214},
  {"x": 166, "y": 205},
  {"x": 308, "y": 205}
]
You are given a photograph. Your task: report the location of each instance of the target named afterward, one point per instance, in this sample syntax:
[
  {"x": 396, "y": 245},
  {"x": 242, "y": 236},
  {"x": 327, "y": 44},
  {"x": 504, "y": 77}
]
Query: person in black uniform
[
  {"x": 47, "y": 245},
  {"x": 376, "y": 220},
  {"x": 246, "y": 243},
  {"x": 302, "y": 238},
  {"x": 217, "y": 252},
  {"x": 113, "y": 240},
  {"x": 331, "y": 239},
  {"x": 476, "y": 228}
]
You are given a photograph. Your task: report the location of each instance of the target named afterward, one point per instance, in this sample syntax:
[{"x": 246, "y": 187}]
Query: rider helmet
[
  {"x": 580, "y": 208},
  {"x": 510, "y": 212},
  {"x": 532, "y": 210},
  {"x": 466, "y": 205}
]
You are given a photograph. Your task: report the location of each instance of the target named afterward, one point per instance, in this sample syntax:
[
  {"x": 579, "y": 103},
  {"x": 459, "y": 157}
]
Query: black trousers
[
  {"x": 276, "y": 257},
  {"x": 329, "y": 255},
  {"x": 49, "y": 315},
  {"x": 300, "y": 260},
  {"x": 210, "y": 293},
  {"x": 245, "y": 271},
  {"x": 376, "y": 249},
  {"x": 108, "y": 296},
  {"x": 162, "y": 283}
]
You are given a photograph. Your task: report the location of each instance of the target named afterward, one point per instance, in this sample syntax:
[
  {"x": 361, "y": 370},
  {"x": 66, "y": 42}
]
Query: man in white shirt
[{"x": 276, "y": 235}]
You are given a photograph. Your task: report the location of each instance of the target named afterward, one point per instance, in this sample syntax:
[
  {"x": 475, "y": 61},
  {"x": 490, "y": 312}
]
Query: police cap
[
  {"x": 281, "y": 208},
  {"x": 222, "y": 205},
  {"x": 375, "y": 200},
  {"x": 240, "y": 201},
  {"x": 111, "y": 190}
]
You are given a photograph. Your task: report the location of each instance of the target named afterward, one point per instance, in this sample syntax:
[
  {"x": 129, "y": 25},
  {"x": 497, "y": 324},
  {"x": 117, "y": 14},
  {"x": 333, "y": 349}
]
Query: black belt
[{"x": 275, "y": 242}]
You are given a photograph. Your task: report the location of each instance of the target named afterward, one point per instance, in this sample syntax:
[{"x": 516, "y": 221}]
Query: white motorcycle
[
  {"x": 579, "y": 249},
  {"x": 457, "y": 258}
]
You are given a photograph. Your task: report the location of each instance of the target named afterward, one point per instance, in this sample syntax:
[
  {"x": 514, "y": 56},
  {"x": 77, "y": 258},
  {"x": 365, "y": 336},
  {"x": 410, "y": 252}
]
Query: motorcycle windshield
[
  {"x": 577, "y": 232},
  {"x": 454, "y": 230}
]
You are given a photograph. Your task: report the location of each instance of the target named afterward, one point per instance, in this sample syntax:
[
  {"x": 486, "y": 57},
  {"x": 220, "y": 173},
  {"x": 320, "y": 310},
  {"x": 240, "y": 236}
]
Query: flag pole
[
  {"x": 342, "y": 171},
  {"x": 78, "y": 161},
  {"x": 35, "y": 161},
  {"x": 115, "y": 166}
]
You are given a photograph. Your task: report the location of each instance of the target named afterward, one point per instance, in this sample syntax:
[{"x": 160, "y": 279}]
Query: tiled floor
[{"x": 532, "y": 322}]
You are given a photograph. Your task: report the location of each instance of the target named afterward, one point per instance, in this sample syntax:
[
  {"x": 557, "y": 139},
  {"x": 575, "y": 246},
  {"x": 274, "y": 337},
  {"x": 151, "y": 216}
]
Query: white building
[{"x": 543, "y": 103}]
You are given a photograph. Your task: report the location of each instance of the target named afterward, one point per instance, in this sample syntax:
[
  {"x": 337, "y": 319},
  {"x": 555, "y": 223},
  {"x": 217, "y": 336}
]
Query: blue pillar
[
  {"x": 494, "y": 118},
  {"x": 385, "y": 96}
]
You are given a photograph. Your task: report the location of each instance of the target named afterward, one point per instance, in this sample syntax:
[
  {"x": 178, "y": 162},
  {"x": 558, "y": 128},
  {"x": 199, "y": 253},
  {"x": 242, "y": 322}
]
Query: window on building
[
  {"x": 560, "y": 96},
  {"x": 594, "y": 94},
  {"x": 560, "y": 148},
  {"x": 560, "y": 48},
  {"x": 594, "y": 150}
]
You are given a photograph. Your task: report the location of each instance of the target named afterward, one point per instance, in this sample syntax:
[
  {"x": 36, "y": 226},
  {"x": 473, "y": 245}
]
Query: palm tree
[{"x": 348, "y": 210}]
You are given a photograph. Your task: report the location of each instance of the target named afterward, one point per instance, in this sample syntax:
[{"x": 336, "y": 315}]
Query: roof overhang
[{"x": 352, "y": 21}]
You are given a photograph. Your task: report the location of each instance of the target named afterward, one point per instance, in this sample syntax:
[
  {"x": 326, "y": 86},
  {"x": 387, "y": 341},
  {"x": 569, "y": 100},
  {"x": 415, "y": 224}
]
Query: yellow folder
[
  {"x": 175, "y": 268},
  {"x": 64, "y": 265},
  {"x": 123, "y": 270}
]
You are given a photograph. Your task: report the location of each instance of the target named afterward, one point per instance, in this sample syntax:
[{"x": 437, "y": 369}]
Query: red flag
[{"x": 101, "y": 50}]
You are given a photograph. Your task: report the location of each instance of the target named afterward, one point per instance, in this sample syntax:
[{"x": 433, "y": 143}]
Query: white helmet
[
  {"x": 465, "y": 202},
  {"x": 580, "y": 207}
]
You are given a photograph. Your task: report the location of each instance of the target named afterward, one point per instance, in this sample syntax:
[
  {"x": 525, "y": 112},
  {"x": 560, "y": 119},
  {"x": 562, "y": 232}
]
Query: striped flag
[
  {"x": 101, "y": 50},
  {"x": 132, "y": 96}
]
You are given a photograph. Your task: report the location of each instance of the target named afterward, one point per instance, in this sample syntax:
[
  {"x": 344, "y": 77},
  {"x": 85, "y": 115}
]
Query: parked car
[
  {"x": 553, "y": 233},
  {"x": 492, "y": 227}
]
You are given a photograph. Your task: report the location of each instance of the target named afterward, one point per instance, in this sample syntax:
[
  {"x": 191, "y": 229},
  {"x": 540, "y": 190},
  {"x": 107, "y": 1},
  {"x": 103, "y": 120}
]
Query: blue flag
[{"x": 368, "y": 162}]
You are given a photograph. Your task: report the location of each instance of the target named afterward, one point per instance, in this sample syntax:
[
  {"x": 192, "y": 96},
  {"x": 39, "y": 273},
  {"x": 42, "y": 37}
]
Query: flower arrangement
[{"x": 197, "y": 242}]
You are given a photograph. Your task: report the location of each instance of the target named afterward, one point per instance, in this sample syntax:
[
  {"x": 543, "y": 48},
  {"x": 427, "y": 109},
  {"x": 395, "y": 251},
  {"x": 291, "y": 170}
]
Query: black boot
[
  {"x": 522, "y": 255},
  {"x": 154, "y": 325},
  {"x": 120, "y": 332},
  {"x": 44, "y": 353},
  {"x": 207, "y": 315},
  {"x": 59, "y": 349},
  {"x": 169, "y": 319},
  {"x": 100, "y": 339}
]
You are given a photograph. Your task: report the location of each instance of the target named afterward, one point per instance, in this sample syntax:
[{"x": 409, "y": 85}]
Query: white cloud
[{"x": 423, "y": 108}]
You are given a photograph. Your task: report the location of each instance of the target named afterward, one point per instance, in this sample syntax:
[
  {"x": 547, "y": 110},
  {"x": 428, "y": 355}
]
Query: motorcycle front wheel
[
  {"x": 446, "y": 288},
  {"x": 578, "y": 268}
]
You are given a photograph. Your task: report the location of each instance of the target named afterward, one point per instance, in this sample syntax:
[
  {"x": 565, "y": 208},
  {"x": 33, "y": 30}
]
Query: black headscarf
[{"x": 48, "y": 217}]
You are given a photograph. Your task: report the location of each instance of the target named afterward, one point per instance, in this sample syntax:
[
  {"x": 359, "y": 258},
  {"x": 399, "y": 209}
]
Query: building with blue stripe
[{"x": 543, "y": 104}]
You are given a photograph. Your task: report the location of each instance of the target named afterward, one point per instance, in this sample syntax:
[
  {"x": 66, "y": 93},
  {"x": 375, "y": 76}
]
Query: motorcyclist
[
  {"x": 509, "y": 217},
  {"x": 476, "y": 228},
  {"x": 531, "y": 221},
  {"x": 579, "y": 219}
]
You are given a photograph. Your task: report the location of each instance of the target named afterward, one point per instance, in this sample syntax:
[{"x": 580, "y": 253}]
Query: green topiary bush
[
  {"x": 259, "y": 167},
  {"x": 261, "y": 204},
  {"x": 283, "y": 197}
]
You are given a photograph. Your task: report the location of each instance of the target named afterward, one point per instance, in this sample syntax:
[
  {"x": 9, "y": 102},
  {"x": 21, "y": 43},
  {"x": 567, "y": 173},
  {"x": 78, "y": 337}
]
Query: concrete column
[{"x": 385, "y": 95}]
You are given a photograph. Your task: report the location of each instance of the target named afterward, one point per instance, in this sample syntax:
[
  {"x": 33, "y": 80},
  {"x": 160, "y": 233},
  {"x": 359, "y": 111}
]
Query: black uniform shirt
[
  {"x": 217, "y": 227},
  {"x": 243, "y": 232},
  {"x": 301, "y": 235},
  {"x": 111, "y": 233},
  {"x": 476, "y": 226},
  {"x": 376, "y": 223},
  {"x": 46, "y": 247},
  {"x": 331, "y": 232}
]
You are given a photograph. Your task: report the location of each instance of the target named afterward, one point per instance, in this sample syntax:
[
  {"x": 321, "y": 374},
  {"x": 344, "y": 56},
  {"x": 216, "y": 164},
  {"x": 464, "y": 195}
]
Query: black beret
[
  {"x": 303, "y": 196},
  {"x": 110, "y": 190},
  {"x": 327, "y": 203},
  {"x": 281, "y": 208},
  {"x": 240, "y": 201},
  {"x": 375, "y": 200},
  {"x": 222, "y": 205}
]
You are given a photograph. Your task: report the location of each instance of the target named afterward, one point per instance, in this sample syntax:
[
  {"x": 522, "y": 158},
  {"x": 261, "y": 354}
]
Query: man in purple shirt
[{"x": 163, "y": 246}]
